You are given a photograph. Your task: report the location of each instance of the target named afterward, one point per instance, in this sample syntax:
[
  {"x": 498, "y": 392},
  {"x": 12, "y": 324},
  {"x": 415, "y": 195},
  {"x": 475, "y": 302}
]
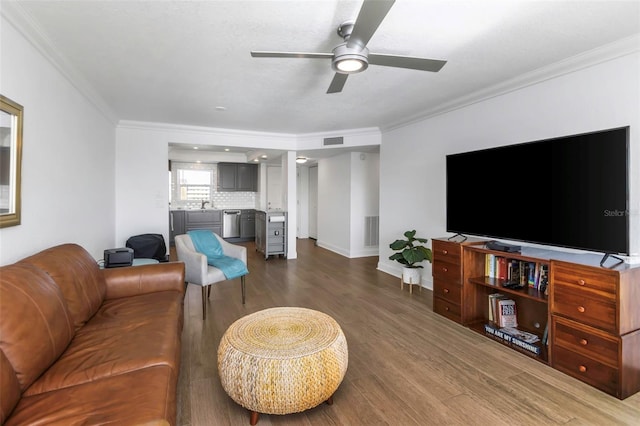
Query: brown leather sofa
[{"x": 83, "y": 345}]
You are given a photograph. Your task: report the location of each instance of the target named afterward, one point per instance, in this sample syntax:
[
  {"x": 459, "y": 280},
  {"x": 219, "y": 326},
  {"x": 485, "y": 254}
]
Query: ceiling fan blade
[
  {"x": 267, "y": 54},
  {"x": 337, "y": 83},
  {"x": 410, "y": 62},
  {"x": 369, "y": 18}
]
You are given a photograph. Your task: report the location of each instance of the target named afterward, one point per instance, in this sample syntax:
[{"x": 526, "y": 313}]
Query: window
[{"x": 194, "y": 185}]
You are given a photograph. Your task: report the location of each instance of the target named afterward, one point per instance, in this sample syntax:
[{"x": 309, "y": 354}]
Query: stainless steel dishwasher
[{"x": 230, "y": 223}]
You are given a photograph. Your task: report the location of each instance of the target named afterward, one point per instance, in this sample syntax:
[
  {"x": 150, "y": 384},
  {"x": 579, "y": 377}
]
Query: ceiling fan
[{"x": 352, "y": 56}]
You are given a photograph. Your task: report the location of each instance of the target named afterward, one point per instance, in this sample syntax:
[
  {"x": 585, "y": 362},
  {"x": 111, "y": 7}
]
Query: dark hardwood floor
[{"x": 407, "y": 365}]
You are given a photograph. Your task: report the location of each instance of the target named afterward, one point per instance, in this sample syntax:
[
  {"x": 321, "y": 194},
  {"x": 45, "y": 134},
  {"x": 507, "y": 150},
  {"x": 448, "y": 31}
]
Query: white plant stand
[{"x": 411, "y": 277}]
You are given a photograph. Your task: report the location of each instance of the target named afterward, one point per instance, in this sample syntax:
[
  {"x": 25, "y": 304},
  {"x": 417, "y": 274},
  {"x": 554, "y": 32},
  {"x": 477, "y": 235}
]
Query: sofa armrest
[{"x": 134, "y": 280}]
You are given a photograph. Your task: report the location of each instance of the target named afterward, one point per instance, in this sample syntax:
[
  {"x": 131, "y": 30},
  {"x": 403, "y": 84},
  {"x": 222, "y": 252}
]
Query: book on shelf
[
  {"x": 521, "y": 334},
  {"x": 543, "y": 281},
  {"x": 501, "y": 267},
  {"x": 490, "y": 265},
  {"x": 507, "y": 315},
  {"x": 531, "y": 276},
  {"x": 545, "y": 335},
  {"x": 513, "y": 340},
  {"x": 513, "y": 271},
  {"x": 493, "y": 305}
]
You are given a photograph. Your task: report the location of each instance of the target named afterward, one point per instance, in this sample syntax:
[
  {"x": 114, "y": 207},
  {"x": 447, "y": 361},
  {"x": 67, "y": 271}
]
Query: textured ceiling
[{"x": 176, "y": 61}]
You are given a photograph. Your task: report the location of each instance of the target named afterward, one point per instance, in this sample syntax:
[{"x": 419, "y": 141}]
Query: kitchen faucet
[{"x": 203, "y": 203}]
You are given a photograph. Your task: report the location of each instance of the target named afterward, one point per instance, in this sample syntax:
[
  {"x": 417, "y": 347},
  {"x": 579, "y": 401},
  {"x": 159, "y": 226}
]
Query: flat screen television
[{"x": 570, "y": 191}]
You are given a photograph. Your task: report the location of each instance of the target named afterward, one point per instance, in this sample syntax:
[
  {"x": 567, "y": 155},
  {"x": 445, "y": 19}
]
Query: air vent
[
  {"x": 371, "y": 231},
  {"x": 338, "y": 140}
]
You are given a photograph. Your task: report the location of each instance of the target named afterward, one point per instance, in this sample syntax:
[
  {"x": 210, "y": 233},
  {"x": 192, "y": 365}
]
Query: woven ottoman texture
[{"x": 282, "y": 360}]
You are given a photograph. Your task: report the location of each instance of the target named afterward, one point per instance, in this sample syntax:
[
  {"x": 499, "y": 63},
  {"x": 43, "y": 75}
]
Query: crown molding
[
  {"x": 199, "y": 130},
  {"x": 608, "y": 52},
  {"x": 20, "y": 19}
]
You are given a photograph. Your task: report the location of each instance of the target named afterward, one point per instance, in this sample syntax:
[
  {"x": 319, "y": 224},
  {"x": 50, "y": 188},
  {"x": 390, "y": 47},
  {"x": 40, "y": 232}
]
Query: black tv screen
[{"x": 569, "y": 191}]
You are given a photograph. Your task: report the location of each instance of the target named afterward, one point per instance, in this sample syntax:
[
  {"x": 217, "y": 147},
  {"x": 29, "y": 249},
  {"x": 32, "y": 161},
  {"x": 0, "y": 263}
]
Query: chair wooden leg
[
  {"x": 242, "y": 284},
  {"x": 204, "y": 303},
  {"x": 253, "y": 419},
  {"x": 209, "y": 292}
]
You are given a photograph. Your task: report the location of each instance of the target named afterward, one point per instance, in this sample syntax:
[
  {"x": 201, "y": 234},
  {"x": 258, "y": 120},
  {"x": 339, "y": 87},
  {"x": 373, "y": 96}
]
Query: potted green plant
[{"x": 410, "y": 252}]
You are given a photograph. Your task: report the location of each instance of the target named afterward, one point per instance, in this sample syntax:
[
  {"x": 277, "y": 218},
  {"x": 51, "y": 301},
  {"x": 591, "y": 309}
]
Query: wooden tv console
[{"x": 588, "y": 320}]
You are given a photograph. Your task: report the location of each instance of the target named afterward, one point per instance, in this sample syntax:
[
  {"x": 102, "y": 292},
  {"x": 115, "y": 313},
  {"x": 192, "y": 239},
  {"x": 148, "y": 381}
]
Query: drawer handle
[
  {"x": 583, "y": 342},
  {"x": 445, "y": 252},
  {"x": 581, "y": 282},
  {"x": 446, "y": 308},
  {"x": 582, "y": 369},
  {"x": 446, "y": 290},
  {"x": 444, "y": 269},
  {"x": 581, "y": 309}
]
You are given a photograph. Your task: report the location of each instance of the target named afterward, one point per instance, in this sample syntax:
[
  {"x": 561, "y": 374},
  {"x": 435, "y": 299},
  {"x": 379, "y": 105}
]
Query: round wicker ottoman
[{"x": 282, "y": 360}]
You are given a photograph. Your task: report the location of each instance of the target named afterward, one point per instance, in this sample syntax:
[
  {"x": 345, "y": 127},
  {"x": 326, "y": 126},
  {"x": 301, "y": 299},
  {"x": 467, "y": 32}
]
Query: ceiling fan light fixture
[
  {"x": 349, "y": 60},
  {"x": 349, "y": 65}
]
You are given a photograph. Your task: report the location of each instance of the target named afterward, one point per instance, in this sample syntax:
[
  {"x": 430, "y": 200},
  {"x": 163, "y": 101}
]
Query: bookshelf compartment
[{"x": 480, "y": 285}]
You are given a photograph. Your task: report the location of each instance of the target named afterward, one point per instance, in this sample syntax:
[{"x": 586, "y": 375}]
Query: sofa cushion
[
  {"x": 140, "y": 397},
  {"x": 111, "y": 345},
  {"x": 78, "y": 276},
  {"x": 9, "y": 388},
  {"x": 127, "y": 311},
  {"x": 36, "y": 326}
]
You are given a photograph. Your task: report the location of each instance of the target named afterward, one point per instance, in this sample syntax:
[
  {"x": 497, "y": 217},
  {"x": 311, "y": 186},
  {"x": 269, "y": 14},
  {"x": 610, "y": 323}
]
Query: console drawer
[
  {"x": 447, "y": 309},
  {"x": 447, "y": 290},
  {"x": 590, "y": 342},
  {"x": 445, "y": 251},
  {"x": 588, "y": 370},
  {"x": 591, "y": 280},
  {"x": 446, "y": 271},
  {"x": 596, "y": 312}
]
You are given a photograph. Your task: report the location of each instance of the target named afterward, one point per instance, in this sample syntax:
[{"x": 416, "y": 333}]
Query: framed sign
[{"x": 11, "y": 116}]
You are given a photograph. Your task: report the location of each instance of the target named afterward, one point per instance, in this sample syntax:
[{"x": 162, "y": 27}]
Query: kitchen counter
[{"x": 183, "y": 220}]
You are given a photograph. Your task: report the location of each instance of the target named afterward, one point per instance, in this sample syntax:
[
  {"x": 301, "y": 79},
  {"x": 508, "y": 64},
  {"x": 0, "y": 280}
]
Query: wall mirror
[{"x": 10, "y": 161}]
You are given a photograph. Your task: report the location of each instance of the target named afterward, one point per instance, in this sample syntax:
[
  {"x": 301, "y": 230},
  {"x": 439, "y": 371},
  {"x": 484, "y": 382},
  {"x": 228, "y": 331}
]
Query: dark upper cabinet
[
  {"x": 237, "y": 177},
  {"x": 227, "y": 176},
  {"x": 247, "y": 177}
]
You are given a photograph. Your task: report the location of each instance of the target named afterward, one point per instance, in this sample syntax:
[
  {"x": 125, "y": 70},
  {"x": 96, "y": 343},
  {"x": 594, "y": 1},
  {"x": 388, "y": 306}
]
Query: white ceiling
[{"x": 176, "y": 61}]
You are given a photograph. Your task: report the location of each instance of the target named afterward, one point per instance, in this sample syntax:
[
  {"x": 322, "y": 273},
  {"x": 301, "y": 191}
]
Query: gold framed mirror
[{"x": 11, "y": 116}]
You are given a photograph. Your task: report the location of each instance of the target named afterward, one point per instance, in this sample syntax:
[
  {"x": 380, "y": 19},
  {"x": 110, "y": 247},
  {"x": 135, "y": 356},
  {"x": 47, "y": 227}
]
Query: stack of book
[
  {"x": 521, "y": 339},
  {"x": 502, "y": 310},
  {"x": 517, "y": 272}
]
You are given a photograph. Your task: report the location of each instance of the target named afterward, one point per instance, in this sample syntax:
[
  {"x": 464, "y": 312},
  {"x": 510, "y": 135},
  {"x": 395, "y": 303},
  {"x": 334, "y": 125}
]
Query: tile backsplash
[{"x": 218, "y": 200}]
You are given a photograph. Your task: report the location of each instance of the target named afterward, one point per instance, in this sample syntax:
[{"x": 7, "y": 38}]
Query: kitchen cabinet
[
  {"x": 176, "y": 224},
  {"x": 233, "y": 177},
  {"x": 203, "y": 219},
  {"x": 248, "y": 224}
]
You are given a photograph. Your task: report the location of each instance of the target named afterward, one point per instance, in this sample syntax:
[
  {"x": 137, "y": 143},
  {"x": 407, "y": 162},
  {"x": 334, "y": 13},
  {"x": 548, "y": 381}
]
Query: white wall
[
  {"x": 290, "y": 185},
  {"x": 334, "y": 203},
  {"x": 602, "y": 96},
  {"x": 68, "y": 156},
  {"x": 347, "y": 192},
  {"x": 365, "y": 200},
  {"x": 302, "y": 188},
  {"x": 142, "y": 184}
]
